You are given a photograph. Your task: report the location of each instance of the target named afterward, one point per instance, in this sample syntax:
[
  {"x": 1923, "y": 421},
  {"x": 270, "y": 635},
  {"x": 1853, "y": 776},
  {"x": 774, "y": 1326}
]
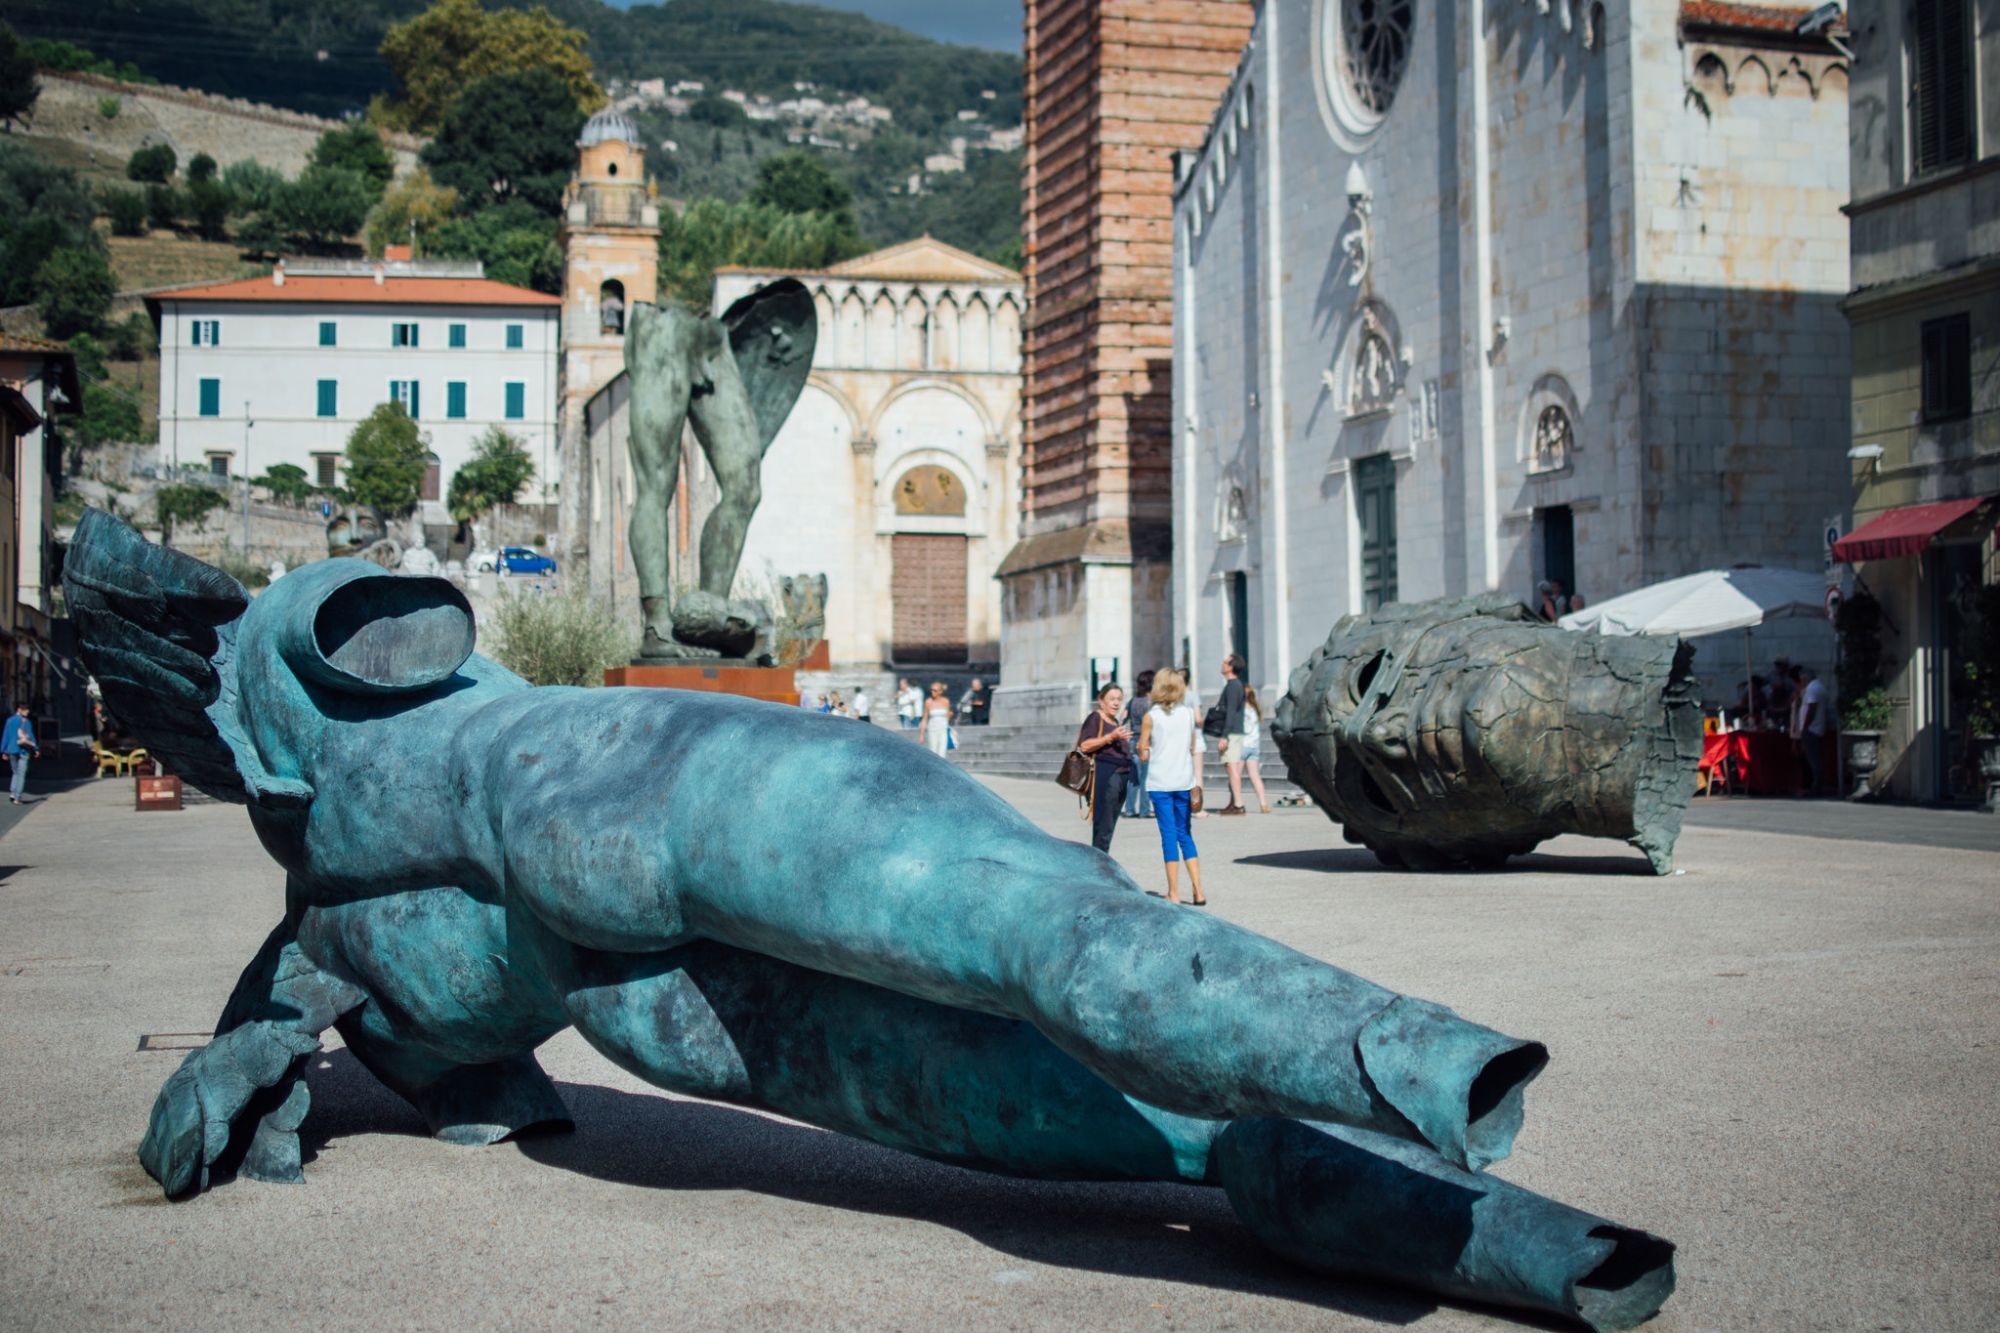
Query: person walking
[
  {"x": 980, "y": 700},
  {"x": 1253, "y": 727},
  {"x": 1231, "y": 704},
  {"x": 1167, "y": 742},
  {"x": 1105, "y": 738},
  {"x": 861, "y": 703},
  {"x": 909, "y": 705},
  {"x": 17, "y": 742},
  {"x": 1136, "y": 804},
  {"x": 937, "y": 720}
]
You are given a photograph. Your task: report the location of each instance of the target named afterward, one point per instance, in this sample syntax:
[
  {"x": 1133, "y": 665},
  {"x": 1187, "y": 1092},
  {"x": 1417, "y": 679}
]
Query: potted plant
[
  {"x": 1982, "y": 688},
  {"x": 1864, "y": 703}
]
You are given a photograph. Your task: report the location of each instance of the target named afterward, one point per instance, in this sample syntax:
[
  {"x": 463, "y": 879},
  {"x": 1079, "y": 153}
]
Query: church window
[
  {"x": 611, "y": 307},
  {"x": 1374, "y": 386},
  {"x": 1555, "y": 438},
  {"x": 1375, "y": 49},
  {"x": 929, "y": 490}
]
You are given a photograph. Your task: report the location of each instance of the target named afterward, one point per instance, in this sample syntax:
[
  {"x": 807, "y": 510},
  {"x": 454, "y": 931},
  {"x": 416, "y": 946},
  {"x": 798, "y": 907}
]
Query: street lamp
[{"x": 247, "y": 424}]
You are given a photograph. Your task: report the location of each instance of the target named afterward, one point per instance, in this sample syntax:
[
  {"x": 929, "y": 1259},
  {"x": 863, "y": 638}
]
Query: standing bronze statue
[{"x": 736, "y": 379}]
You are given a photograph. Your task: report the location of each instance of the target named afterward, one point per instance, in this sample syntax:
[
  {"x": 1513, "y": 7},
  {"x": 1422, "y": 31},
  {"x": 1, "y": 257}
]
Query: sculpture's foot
[
  {"x": 653, "y": 648},
  {"x": 1357, "y": 1204},
  {"x": 732, "y": 628}
]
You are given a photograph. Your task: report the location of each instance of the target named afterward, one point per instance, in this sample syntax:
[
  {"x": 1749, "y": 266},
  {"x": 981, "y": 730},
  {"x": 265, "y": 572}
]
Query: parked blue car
[{"x": 521, "y": 560}]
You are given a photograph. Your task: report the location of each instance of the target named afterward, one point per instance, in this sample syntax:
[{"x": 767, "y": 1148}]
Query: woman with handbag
[
  {"x": 1168, "y": 740},
  {"x": 1109, "y": 744}
]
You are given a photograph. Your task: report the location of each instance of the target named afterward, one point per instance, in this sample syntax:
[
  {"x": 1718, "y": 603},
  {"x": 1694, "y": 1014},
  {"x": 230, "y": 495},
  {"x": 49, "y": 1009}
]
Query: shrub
[
  {"x": 560, "y": 639},
  {"x": 107, "y": 107},
  {"x": 287, "y": 483},
  {"x": 252, "y": 185},
  {"x": 208, "y": 206},
  {"x": 155, "y": 163},
  {"x": 127, "y": 211},
  {"x": 181, "y": 503},
  {"x": 201, "y": 167},
  {"x": 499, "y": 467},
  {"x": 133, "y": 339},
  {"x": 73, "y": 289},
  {"x": 163, "y": 206},
  {"x": 1870, "y": 712}
]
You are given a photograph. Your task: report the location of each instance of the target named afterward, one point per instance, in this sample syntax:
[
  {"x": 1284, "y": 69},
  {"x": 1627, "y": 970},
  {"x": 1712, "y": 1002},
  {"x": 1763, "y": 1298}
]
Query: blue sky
[{"x": 994, "y": 24}]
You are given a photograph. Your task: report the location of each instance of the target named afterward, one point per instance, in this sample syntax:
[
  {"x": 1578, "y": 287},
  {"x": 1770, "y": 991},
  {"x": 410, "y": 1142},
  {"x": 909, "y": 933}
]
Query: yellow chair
[{"x": 119, "y": 764}]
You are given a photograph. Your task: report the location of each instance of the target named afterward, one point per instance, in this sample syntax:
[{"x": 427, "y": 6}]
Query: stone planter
[
  {"x": 1864, "y": 755},
  {"x": 1988, "y": 750}
]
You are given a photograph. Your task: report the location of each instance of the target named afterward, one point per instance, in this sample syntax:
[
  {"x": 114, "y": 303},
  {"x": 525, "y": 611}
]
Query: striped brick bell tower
[{"x": 1114, "y": 88}]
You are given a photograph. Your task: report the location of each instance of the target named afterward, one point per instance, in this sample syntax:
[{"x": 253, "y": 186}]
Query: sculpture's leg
[
  {"x": 657, "y": 349},
  {"x": 993, "y": 1094},
  {"x": 729, "y": 435},
  {"x": 854, "y": 857},
  {"x": 270, "y": 1027},
  {"x": 470, "y": 1104}
]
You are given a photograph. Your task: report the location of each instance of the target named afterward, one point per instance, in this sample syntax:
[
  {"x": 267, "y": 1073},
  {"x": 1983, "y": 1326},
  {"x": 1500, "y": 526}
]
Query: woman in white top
[
  {"x": 937, "y": 720},
  {"x": 1168, "y": 740},
  {"x": 1253, "y": 725}
]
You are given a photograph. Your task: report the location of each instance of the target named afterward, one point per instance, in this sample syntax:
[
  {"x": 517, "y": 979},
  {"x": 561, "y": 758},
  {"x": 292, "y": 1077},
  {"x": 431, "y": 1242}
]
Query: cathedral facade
[{"x": 1480, "y": 295}]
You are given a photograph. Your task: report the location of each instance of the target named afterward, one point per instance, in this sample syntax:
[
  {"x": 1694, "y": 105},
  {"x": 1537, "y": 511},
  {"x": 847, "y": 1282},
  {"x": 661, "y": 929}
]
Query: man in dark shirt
[{"x": 1231, "y": 703}]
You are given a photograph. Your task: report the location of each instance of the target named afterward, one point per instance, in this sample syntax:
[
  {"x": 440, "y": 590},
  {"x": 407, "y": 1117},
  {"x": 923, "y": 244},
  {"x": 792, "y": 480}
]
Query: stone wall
[{"x": 227, "y": 129}]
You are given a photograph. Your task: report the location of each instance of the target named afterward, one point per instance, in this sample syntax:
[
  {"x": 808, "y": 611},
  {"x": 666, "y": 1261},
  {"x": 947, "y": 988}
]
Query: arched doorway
[{"x": 927, "y": 587}]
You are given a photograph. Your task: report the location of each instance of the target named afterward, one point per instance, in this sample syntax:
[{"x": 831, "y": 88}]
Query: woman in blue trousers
[{"x": 1167, "y": 741}]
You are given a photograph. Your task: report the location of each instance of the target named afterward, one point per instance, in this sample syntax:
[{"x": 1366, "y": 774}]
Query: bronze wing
[{"x": 772, "y": 332}]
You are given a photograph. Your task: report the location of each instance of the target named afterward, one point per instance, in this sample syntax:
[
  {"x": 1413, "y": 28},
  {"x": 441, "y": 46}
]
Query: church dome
[{"x": 608, "y": 124}]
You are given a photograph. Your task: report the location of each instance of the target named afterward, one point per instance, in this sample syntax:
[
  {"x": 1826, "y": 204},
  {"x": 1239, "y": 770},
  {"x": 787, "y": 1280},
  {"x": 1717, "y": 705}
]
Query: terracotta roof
[
  {"x": 391, "y": 290},
  {"x": 20, "y": 342},
  {"x": 1756, "y": 18}
]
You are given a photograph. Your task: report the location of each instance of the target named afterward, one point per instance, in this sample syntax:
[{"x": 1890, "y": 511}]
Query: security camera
[{"x": 1820, "y": 19}]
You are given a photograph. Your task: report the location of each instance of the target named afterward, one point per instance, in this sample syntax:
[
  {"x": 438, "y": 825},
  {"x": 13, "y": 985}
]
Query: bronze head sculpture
[{"x": 1464, "y": 731}]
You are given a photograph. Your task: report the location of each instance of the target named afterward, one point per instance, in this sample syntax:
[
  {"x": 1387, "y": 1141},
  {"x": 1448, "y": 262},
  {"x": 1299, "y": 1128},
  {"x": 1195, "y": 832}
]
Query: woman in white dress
[
  {"x": 1168, "y": 739},
  {"x": 1253, "y": 727},
  {"x": 937, "y": 720}
]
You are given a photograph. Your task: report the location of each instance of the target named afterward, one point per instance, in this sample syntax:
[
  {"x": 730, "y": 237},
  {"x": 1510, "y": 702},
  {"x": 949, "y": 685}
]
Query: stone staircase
[{"x": 1036, "y": 753}]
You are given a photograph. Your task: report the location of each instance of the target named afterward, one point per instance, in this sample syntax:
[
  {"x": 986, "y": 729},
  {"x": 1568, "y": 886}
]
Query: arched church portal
[{"x": 927, "y": 587}]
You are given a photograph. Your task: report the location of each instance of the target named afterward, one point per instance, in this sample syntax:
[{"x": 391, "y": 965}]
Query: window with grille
[
  {"x": 1375, "y": 507},
  {"x": 1940, "y": 84},
  {"x": 517, "y": 401},
  {"x": 324, "y": 466},
  {"x": 402, "y": 335},
  {"x": 329, "y": 398},
  {"x": 1947, "y": 368},
  {"x": 432, "y": 470}
]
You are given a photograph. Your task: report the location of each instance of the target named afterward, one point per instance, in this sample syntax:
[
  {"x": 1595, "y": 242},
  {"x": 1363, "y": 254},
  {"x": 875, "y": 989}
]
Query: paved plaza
[{"x": 1784, "y": 1059}]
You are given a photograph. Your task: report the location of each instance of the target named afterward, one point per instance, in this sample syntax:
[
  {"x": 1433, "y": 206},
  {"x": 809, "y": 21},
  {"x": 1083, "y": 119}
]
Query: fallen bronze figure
[{"x": 847, "y": 931}]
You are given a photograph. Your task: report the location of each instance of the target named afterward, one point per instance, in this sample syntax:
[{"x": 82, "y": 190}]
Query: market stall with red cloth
[{"x": 1763, "y": 763}]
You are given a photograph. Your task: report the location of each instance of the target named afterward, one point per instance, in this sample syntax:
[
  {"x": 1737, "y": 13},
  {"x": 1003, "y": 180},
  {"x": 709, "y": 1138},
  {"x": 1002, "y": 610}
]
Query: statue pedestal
[{"x": 771, "y": 684}]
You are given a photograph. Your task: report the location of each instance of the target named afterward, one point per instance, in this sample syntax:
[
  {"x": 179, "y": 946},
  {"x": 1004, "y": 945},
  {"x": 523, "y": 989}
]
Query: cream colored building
[{"x": 895, "y": 475}]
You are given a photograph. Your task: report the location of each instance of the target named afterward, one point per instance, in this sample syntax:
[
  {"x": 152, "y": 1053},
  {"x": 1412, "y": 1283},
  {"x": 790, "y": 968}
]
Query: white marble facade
[
  {"x": 1443, "y": 324},
  {"x": 907, "y": 429}
]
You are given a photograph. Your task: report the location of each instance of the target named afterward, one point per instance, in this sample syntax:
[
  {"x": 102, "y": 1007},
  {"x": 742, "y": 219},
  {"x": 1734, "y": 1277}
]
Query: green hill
[{"x": 320, "y": 55}]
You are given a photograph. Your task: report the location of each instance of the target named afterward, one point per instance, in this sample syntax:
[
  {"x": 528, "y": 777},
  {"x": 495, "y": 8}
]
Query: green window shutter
[
  {"x": 211, "y": 398},
  {"x": 517, "y": 401}
]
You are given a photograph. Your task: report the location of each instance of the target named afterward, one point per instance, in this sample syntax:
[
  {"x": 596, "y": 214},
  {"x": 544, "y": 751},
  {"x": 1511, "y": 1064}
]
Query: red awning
[{"x": 1900, "y": 532}]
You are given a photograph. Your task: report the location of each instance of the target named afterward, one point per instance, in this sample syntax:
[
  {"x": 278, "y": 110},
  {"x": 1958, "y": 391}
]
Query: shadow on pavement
[
  {"x": 1354, "y": 860},
  {"x": 659, "y": 1143}
]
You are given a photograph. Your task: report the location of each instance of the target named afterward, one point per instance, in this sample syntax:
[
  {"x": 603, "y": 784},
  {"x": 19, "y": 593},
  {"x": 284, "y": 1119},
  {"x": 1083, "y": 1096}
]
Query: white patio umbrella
[{"x": 1707, "y": 603}]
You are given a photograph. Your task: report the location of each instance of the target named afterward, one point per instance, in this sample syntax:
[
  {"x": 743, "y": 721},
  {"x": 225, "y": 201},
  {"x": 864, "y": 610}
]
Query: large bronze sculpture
[
  {"x": 1465, "y": 731},
  {"x": 735, "y": 379},
  {"x": 845, "y": 930}
]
